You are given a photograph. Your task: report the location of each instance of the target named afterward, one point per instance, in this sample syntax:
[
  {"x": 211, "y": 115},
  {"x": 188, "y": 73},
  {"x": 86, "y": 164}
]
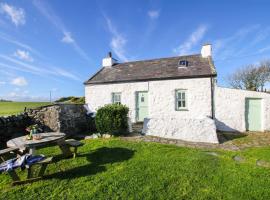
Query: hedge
[{"x": 112, "y": 119}]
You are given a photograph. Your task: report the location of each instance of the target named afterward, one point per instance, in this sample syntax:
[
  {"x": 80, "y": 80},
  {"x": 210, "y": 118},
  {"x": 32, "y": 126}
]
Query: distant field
[{"x": 10, "y": 108}]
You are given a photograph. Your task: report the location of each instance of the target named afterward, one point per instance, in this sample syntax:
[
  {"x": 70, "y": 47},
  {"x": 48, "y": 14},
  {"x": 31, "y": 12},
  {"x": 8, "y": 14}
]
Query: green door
[
  {"x": 141, "y": 106},
  {"x": 253, "y": 114}
]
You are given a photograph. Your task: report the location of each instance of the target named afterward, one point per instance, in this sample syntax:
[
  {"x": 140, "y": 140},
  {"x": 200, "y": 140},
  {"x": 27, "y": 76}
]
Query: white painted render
[
  {"x": 230, "y": 108},
  {"x": 194, "y": 130},
  {"x": 108, "y": 62},
  {"x": 206, "y": 50},
  {"x": 161, "y": 97}
]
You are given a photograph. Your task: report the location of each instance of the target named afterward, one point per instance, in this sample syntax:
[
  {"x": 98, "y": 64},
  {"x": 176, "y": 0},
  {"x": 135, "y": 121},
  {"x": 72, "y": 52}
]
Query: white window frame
[
  {"x": 177, "y": 99},
  {"x": 113, "y": 97}
]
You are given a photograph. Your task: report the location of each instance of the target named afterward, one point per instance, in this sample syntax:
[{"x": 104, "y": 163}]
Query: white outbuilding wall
[
  {"x": 230, "y": 108},
  {"x": 161, "y": 97}
]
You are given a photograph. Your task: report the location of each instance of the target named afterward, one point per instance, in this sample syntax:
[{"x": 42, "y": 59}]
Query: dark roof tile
[{"x": 156, "y": 69}]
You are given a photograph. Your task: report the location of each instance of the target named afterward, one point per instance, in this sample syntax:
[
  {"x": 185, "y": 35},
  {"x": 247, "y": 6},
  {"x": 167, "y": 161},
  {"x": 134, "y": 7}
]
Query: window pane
[
  {"x": 184, "y": 104},
  {"x": 179, "y": 104},
  {"x": 116, "y": 98},
  {"x": 183, "y": 95}
]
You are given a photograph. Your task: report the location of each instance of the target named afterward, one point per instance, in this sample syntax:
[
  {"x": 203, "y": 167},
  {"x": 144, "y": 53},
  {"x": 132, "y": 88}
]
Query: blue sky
[{"x": 56, "y": 45}]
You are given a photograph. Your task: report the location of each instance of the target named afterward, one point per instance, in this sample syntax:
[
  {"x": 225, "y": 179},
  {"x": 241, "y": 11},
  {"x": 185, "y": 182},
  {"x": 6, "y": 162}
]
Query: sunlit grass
[
  {"x": 10, "y": 108},
  {"x": 117, "y": 169}
]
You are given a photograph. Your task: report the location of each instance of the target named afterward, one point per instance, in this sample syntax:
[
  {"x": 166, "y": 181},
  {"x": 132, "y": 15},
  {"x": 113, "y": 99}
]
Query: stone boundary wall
[
  {"x": 13, "y": 126},
  {"x": 71, "y": 119}
]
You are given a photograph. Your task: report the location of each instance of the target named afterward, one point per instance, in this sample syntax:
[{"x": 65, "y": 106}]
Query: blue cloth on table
[{"x": 23, "y": 161}]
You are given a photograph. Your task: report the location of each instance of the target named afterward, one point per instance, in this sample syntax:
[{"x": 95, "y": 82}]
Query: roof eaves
[
  {"x": 150, "y": 79},
  {"x": 86, "y": 82}
]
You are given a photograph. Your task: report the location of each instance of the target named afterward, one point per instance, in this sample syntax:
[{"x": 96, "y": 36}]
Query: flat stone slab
[
  {"x": 262, "y": 163},
  {"x": 239, "y": 159},
  {"x": 212, "y": 153}
]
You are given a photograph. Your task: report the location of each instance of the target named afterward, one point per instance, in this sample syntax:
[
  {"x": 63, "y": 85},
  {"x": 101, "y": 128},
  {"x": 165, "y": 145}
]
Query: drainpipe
[{"x": 212, "y": 80}]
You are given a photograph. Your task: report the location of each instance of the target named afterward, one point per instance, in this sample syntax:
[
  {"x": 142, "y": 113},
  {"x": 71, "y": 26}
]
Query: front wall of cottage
[
  {"x": 99, "y": 95},
  {"x": 161, "y": 97},
  {"x": 230, "y": 109}
]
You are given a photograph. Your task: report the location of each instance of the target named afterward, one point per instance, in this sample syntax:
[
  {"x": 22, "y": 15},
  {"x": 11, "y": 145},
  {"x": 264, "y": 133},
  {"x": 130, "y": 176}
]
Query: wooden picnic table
[{"x": 46, "y": 139}]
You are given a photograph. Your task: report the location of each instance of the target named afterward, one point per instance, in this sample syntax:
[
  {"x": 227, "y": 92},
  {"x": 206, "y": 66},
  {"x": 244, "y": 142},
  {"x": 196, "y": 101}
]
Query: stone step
[{"x": 137, "y": 127}]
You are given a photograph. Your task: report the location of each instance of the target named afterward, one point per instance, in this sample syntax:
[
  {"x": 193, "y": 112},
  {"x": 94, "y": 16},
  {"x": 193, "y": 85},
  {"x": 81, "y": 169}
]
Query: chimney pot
[{"x": 110, "y": 54}]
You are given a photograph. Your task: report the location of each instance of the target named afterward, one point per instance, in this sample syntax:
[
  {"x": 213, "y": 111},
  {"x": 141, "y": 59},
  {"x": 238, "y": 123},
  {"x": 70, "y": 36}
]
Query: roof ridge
[{"x": 154, "y": 59}]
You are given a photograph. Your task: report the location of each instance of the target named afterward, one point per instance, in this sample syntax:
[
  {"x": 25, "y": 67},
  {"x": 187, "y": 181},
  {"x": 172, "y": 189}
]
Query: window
[
  {"x": 116, "y": 97},
  {"x": 183, "y": 63},
  {"x": 181, "y": 99}
]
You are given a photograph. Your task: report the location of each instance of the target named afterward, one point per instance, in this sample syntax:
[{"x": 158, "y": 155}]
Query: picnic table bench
[
  {"x": 5, "y": 154},
  {"x": 75, "y": 144}
]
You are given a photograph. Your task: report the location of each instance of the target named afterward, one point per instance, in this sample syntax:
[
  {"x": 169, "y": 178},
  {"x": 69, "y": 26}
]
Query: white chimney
[
  {"x": 108, "y": 61},
  {"x": 206, "y": 50}
]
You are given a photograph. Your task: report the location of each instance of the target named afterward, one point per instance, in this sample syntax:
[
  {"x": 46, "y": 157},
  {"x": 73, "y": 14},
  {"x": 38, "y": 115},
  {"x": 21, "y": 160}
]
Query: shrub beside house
[{"x": 112, "y": 119}]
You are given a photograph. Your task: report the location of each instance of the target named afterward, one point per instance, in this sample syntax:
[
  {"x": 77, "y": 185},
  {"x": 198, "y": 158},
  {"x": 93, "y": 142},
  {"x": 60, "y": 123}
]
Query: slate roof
[{"x": 155, "y": 69}]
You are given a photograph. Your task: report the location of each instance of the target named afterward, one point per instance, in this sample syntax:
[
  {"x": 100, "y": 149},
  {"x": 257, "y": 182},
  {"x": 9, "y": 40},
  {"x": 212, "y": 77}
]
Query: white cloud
[
  {"x": 2, "y": 83},
  {"x": 16, "y": 15},
  {"x": 193, "y": 40},
  {"x": 19, "y": 81},
  {"x": 11, "y": 40},
  {"x": 238, "y": 44},
  {"x": 23, "y": 55},
  {"x": 264, "y": 49},
  {"x": 37, "y": 70},
  {"x": 118, "y": 41},
  {"x": 23, "y": 95},
  {"x": 64, "y": 73},
  {"x": 45, "y": 9},
  {"x": 67, "y": 38},
  {"x": 153, "y": 14}
]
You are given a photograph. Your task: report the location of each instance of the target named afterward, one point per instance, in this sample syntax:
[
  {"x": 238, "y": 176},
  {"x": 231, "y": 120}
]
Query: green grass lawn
[
  {"x": 10, "y": 108},
  {"x": 116, "y": 169}
]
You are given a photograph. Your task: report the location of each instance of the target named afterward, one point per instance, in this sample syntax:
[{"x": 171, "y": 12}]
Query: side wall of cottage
[{"x": 230, "y": 109}]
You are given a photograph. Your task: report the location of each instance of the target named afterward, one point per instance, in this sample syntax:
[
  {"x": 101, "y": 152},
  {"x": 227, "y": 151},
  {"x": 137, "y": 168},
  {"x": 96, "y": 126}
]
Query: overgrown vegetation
[
  {"x": 71, "y": 99},
  {"x": 251, "y": 77},
  {"x": 4, "y": 100},
  {"x": 112, "y": 119},
  {"x": 116, "y": 169}
]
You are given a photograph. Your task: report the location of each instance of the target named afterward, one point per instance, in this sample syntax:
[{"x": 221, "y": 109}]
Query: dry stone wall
[
  {"x": 13, "y": 126},
  {"x": 71, "y": 119}
]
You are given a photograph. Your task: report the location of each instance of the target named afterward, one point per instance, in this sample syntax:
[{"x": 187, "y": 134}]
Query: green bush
[{"x": 112, "y": 119}]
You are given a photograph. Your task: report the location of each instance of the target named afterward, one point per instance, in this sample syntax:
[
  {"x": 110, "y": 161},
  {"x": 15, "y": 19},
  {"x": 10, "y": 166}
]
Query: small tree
[
  {"x": 251, "y": 77},
  {"x": 264, "y": 73},
  {"x": 112, "y": 119}
]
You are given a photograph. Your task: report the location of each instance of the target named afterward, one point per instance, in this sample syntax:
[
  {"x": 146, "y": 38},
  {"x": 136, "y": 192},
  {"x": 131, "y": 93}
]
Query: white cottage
[{"x": 177, "y": 97}]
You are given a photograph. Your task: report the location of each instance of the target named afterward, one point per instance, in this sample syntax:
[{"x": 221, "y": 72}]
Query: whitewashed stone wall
[
  {"x": 99, "y": 95},
  {"x": 230, "y": 108},
  {"x": 194, "y": 130},
  {"x": 161, "y": 97}
]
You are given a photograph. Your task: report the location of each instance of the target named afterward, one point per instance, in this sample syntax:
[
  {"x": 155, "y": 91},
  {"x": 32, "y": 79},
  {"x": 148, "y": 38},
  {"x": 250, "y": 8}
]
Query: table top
[{"x": 46, "y": 138}]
